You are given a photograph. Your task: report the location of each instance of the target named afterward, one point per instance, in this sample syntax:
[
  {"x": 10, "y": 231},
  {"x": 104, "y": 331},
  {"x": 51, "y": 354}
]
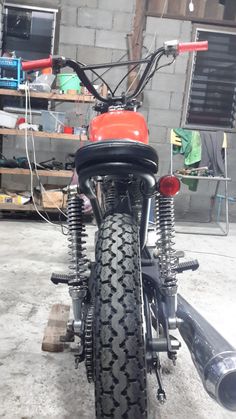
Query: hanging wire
[{"x": 28, "y": 109}]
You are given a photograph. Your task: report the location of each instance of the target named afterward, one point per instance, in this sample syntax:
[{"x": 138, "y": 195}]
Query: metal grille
[{"x": 212, "y": 95}]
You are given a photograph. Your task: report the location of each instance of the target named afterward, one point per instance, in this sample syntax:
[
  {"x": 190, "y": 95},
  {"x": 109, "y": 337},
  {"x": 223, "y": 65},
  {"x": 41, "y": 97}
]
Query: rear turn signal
[{"x": 168, "y": 185}]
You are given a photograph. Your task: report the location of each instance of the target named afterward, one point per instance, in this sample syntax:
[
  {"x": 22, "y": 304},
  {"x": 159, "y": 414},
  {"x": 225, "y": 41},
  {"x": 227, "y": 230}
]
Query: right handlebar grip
[
  {"x": 37, "y": 64},
  {"x": 193, "y": 46}
]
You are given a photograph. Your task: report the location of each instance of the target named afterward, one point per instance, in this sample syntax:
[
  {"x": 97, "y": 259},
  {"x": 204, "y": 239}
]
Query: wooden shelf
[
  {"x": 49, "y": 96},
  {"x": 26, "y": 207},
  {"x": 41, "y": 134},
  {"x": 48, "y": 173}
]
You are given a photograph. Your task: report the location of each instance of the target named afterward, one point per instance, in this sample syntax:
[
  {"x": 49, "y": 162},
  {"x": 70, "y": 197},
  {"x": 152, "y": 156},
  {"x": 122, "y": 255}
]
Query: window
[
  {"x": 211, "y": 99},
  {"x": 29, "y": 31}
]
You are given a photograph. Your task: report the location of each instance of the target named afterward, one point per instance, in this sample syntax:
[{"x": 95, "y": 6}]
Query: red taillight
[{"x": 169, "y": 185}]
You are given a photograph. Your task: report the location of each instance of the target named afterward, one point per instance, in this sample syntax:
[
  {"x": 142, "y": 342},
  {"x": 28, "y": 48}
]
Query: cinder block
[
  {"x": 181, "y": 64},
  {"x": 108, "y": 39},
  {"x": 114, "y": 76},
  {"x": 169, "y": 82},
  {"x": 81, "y": 3},
  {"x": 62, "y": 148},
  {"x": 164, "y": 167},
  {"x": 182, "y": 204},
  {"x": 123, "y": 22},
  {"x": 118, "y": 55},
  {"x": 158, "y": 134},
  {"x": 176, "y": 102},
  {"x": 144, "y": 112},
  {"x": 164, "y": 118},
  {"x": 168, "y": 69},
  {"x": 77, "y": 36},
  {"x": 186, "y": 31},
  {"x": 157, "y": 100},
  {"x": 15, "y": 183},
  {"x": 41, "y": 3},
  {"x": 68, "y": 16},
  {"x": 149, "y": 43},
  {"x": 67, "y": 50},
  {"x": 168, "y": 28},
  {"x": 121, "y": 5},
  {"x": 94, "y": 55},
  {"x": 95, "y": 18}
]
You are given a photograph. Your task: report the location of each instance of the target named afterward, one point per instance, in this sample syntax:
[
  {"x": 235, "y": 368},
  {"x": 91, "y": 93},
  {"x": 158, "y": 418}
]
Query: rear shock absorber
[
  {"x": 78, "y": 261},
  {"x": 110, "y": 197},
  {"x": 165, "y": 230},
  {"x": 76, "y": 237}
]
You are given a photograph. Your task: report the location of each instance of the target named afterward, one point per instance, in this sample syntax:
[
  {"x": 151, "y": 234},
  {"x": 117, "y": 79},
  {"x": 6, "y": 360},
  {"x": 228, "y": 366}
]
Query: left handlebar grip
[{"x": 37, "y": 64}]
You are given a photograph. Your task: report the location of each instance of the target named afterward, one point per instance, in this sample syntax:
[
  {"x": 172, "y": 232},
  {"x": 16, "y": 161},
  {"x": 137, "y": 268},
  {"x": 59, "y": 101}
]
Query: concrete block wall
[
  {"x": 163, "y": 101},
  {"x": 91, "y": 31},
  {"x": 163, "y": 97},
  {"x": 94, "y": 31}
]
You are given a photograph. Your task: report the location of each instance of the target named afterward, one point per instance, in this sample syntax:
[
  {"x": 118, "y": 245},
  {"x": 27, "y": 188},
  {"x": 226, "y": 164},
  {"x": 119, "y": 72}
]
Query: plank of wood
[
  {"x": 26, "y": 207},
  {"x": 230, "y": 10},
  {"x": 211, "y": 10},
  {"x": 56, "y": 327},
  {"x": 157, "y": 6},
  {"x": 228, "y": 23},
  {"x": 177, "y": 7},
  {"x": 199, "y": 9},
  {"x": 41, "y": 134},
  {"x": 47, "y": 173},
  {"x": 50, "y": 96}
]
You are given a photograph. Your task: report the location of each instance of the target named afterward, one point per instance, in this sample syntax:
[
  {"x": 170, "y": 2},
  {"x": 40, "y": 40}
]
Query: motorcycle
[{"x": 125, "y": 304}]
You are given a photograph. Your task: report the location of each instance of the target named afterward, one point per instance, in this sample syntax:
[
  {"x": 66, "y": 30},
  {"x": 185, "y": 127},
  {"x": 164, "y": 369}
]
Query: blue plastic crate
[
  {"x": 9, "y": 84},
  {"x": 6, "y": 62},
  {"x": 13, "y": 65}
]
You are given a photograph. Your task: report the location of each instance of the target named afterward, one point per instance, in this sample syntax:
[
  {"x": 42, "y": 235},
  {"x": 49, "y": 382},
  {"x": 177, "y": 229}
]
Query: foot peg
[
  {"x": 192, "y": 265},
  {"x": 64, "y": 279},
  {"x": 60, "y": 278}
]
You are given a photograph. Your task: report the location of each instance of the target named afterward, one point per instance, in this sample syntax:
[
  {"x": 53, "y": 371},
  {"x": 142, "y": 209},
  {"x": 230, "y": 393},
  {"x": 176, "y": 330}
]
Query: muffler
[{"x": 213, "y": 357}]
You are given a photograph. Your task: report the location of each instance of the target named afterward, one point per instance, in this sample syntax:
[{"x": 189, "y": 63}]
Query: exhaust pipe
[{"x": 213, "y": 357}]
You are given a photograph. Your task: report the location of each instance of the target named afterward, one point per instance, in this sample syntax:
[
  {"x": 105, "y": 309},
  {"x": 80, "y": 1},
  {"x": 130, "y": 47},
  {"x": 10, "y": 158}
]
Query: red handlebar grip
[
  {"x": 193, "y": 46},
  {"x": 37, "y": 64}
]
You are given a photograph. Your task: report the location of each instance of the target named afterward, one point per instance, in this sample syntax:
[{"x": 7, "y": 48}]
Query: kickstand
[{"x": 161, "y": 395}]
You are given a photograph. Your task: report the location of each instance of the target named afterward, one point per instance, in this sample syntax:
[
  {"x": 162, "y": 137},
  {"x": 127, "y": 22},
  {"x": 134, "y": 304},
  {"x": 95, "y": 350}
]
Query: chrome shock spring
[
  {"x": 78, "y": 261},
  {"x": 165, "y": 230},
  {"x": 110, "y": 197}
]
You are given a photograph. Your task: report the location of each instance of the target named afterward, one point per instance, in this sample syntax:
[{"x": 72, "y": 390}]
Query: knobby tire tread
[{"x": 119, "y": 356}]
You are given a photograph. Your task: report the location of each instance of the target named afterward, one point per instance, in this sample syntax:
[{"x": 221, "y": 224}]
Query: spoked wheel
[{"x": 119, "y": 354}]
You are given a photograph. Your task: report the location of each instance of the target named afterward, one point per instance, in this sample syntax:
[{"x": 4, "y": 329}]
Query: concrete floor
[{"x": 34, "y": 384}]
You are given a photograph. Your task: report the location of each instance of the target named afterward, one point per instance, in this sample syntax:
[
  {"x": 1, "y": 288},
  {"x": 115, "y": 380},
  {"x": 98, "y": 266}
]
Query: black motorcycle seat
[{"x": 124, "y": 151}]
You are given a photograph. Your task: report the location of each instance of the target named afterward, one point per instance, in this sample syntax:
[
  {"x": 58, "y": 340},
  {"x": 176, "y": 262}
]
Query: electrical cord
[
  {"x": 209, "y": 253},
  {"x": 28, "y": 159},
  {"x": 123, "y": 78},
  {"x": 27, "y": 100},
  {"x": 35, "y": 162},
  {"x": 141, "y": 67}
]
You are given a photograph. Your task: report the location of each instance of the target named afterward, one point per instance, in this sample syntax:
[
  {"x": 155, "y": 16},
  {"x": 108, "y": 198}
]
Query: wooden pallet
[{"x": 56, "y": 327}]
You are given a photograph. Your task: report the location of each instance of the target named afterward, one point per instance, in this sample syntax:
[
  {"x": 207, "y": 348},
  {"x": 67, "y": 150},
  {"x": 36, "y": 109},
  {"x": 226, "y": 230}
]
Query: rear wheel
[{"x": 119, "y": 356}]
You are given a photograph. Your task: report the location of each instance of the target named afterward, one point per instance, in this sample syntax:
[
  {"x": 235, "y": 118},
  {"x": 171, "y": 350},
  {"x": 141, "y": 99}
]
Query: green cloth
[
  {"x": 190, "y": 146},
  {"x": 191, "y": 149}
]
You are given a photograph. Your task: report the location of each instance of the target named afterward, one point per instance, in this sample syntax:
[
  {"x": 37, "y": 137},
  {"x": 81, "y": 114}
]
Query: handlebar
[
  {"x": 192, "y": 46},
  {"x": 37, "y": 64},
  {"x": 171, "y": 48}
]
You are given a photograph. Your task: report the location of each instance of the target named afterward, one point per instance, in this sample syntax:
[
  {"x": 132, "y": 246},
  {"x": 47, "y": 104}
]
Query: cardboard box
[
  {"x": 13, "y": 198},
  {"x": 51, "y": 198}
]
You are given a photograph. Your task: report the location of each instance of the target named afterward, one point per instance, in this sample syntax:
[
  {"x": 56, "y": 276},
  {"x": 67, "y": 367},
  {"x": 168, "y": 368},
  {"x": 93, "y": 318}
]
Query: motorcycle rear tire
[{"x": 120, "y": 370}]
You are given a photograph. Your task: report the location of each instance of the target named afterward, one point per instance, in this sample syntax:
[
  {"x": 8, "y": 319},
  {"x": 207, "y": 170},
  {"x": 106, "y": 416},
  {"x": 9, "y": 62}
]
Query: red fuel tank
[{"x": 119, "y": 125}]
